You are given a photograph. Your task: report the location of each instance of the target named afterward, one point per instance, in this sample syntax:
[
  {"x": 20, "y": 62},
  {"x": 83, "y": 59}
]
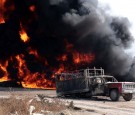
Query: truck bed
[{"x": 77, "y": 85}]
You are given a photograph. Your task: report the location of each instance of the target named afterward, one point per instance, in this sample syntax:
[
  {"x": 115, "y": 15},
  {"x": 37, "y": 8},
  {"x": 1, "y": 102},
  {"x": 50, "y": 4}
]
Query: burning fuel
[
  {"x": 2, "y": 11},
  {"x": 4, "y": 71},
  {"x": 40, "y": 38},
  {"x": 23, "y": 34}
]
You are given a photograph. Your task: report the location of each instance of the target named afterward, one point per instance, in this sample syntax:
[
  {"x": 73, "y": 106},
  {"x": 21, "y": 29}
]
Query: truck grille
[{"x": 129, "y": 86}]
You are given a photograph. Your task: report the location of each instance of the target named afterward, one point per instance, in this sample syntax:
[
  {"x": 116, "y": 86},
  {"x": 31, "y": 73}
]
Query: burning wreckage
[
  {"x": 41, "y": 38},
  {"x": 93, "y": 82}
]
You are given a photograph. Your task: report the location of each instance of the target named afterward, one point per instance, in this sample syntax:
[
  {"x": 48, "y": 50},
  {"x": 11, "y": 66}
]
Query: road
[{"x": 95, "y": 106}]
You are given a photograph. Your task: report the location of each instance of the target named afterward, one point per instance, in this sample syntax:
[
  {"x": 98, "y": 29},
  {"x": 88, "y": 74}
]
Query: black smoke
[{"x": 80, "y": 22}]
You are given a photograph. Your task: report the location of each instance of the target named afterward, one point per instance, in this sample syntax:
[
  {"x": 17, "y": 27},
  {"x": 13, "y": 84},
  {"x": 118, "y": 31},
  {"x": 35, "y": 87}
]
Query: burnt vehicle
[{"x": 93, "y": 82}]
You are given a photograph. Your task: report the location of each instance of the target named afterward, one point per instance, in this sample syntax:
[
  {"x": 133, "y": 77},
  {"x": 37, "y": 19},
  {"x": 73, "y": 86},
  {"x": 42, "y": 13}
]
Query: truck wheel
[
  {"x": 114, "y": 95},
  {"x": 128, "y": 97}
]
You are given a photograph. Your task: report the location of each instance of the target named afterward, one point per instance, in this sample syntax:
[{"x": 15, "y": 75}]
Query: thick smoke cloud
[
  {"x": 80, "y": 22},
  {"x": 105, "y": 35}
]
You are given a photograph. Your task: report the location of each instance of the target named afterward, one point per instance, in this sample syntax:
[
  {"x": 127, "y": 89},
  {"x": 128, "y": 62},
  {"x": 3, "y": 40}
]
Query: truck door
[{"x": 98, "y": 86}]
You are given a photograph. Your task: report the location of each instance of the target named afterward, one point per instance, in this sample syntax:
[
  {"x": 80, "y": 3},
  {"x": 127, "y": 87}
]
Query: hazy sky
[{"x": 124, "y": 8}]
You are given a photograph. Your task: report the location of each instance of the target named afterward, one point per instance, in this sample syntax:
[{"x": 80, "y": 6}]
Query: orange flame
[
  {"x": 23, "y": 35},
  {"x": 3, "y": 69},
  {"x": 79, "y": 57},
  {"x": 82, "y": 58},
  {"x": 2, "y": 2},
  {"x": 32, "y": 80},
  {"x": 27, "y": 79},
  {"x": 2, "y": 20},
  {"x": 61, "y": 69},
  {"x": 62, "y": 58},
  {"x": 34, "y": 52}
]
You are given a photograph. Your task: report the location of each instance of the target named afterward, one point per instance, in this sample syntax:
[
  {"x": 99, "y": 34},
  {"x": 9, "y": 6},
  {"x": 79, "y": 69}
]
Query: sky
[{"x": 125, "y": 8}]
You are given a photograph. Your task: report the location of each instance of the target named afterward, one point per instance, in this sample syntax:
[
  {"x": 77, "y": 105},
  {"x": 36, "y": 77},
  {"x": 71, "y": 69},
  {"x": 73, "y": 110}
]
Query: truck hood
[{"x": 120, "y": 82}]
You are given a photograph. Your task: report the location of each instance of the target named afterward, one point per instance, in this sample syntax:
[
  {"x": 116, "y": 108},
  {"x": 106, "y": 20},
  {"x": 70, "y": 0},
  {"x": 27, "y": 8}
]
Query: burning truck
[{"x": 93, "y": 82}]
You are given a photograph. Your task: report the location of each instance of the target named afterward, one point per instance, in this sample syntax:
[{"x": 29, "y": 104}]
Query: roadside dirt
[
  {"x": 94, "y": 106},
  {"x": 104, "y": 106}
]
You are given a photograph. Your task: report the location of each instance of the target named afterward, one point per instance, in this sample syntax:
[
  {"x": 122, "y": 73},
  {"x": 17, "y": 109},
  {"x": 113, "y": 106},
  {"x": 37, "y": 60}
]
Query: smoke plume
[{"x": 105, "y": 35}]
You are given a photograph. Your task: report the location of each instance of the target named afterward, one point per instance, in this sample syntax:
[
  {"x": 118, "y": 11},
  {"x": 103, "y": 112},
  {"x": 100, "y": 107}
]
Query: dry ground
[{"x": 95, "y": 106}]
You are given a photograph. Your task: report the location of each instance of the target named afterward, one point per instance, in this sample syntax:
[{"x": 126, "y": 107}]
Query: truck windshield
[{"x": 110, "y": 79}]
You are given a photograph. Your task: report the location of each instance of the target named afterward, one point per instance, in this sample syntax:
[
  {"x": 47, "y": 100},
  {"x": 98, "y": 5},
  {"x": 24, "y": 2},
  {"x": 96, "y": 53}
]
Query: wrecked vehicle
[{"x": 93, "y": 82}]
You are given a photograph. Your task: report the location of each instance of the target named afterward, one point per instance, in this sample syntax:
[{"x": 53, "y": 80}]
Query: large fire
[
  {"x": 32, "y": 80},
  {"x": 69, "y": 59},
  {"x": 37, "y": 79},
  {"x": 27, "y": 79}
]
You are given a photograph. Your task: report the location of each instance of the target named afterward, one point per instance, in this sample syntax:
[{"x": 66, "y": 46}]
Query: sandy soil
[
  {"x": 100, "y": 106},
  {"x": 95, "y": 106}
]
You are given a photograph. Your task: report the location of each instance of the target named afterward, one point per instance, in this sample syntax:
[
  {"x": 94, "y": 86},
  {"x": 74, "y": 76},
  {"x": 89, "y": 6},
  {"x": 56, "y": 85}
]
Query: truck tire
[
  {"x": 128, "y": 97},
  {"x": 114, "y": 95}
]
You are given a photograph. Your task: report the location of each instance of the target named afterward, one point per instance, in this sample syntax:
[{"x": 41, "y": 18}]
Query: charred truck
[{"x": 93, "y": 82}]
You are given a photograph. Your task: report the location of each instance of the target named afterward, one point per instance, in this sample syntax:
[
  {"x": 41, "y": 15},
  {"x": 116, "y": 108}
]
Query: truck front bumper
[{"x": 128, "y": 91}]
